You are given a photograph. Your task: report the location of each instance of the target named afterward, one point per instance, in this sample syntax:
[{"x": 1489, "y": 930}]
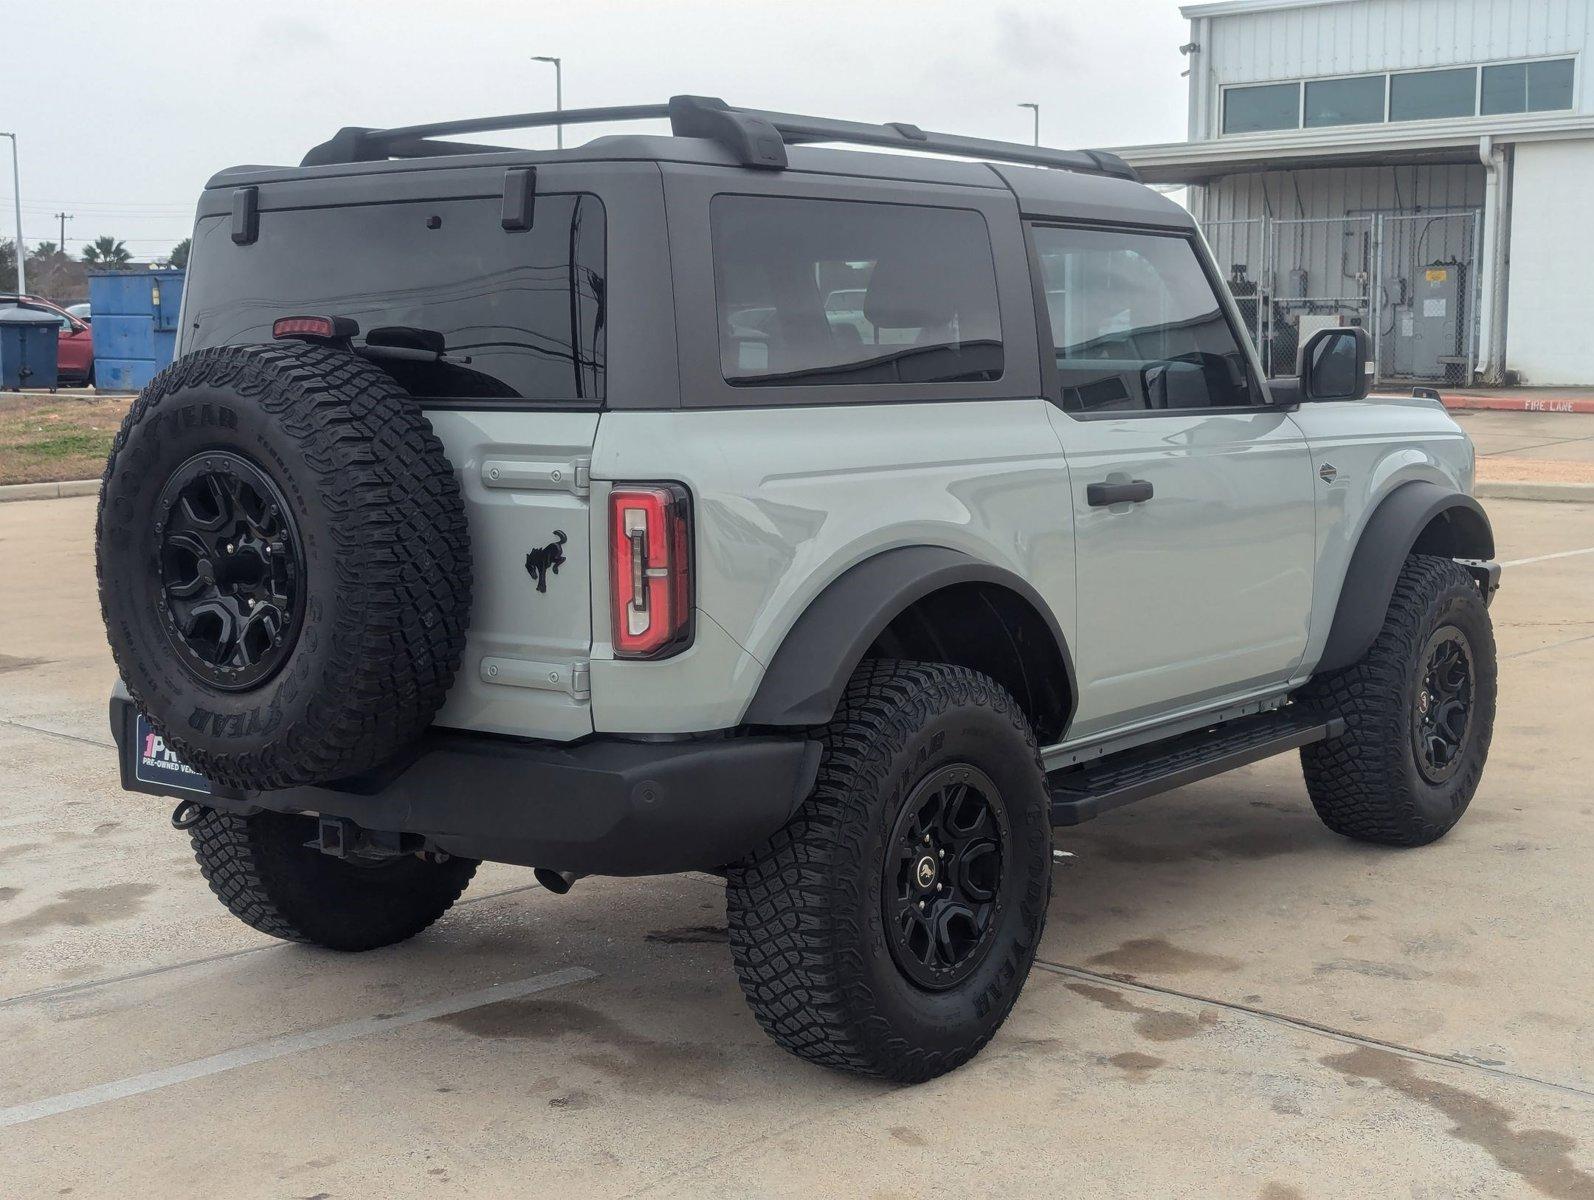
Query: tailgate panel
[{"x": 524, "y": 479}]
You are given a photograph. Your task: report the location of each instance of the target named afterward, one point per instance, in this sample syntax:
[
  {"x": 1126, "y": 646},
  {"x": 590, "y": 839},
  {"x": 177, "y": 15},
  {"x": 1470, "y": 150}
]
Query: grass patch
[{"x": 48, "y": 438}]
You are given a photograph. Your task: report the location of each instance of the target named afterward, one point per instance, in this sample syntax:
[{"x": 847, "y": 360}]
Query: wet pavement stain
[
  {"x": 10, "y": 662},
  {"x": 6, "y": 893},
  {"x": 1137, "y": 1066},
  {"x": 691, "y": 935},
  {"x": 1157, "y": 956},
  {"x": 643, "y": 1063},
  {"x": 78, "y": 907},
  {"x": 908, "y": 1137},
  {"x": 572, "y": 1100},
  {"x": 1153, "y": 1024},
  {"x": 9, "y": 852},
  {"x": 1280, "y": 1191},
  {"x": 1540, "y": 1157}
]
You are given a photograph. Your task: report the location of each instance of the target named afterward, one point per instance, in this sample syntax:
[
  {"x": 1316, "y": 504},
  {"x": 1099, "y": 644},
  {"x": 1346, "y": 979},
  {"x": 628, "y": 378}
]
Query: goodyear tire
[
  {"x": 888, "y": 928},
  {"x": 266, "y": 869},
  {"x": 1419, "y": 714},
  {"x": 284, "y": 564}
]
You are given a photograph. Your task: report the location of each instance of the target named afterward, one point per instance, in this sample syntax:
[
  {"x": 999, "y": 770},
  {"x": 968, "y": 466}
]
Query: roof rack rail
[{"x": 756, "y": 138}]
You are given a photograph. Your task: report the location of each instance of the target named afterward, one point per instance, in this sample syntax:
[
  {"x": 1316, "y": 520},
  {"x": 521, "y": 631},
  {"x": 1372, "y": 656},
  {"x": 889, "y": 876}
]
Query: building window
[
  {"x": 1271, "y": 106},
  {"x": 1425, "y": 95},
  {"x": 1358, "y": 101},
  {"x": 1528, "y": 87}
]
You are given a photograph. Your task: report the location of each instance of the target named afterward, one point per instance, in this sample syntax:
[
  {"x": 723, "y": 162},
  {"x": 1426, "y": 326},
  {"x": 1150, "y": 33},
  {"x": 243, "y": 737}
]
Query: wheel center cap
[{"x": 924, "y": 872}]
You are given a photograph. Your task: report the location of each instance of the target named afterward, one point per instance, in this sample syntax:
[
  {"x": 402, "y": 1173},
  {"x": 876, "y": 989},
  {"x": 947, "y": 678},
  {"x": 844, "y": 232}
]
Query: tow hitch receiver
[{"x": 339, "y": 837}]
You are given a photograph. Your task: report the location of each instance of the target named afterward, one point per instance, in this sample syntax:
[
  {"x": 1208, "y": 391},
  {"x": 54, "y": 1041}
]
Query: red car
[{"x": 74, "y": 355}]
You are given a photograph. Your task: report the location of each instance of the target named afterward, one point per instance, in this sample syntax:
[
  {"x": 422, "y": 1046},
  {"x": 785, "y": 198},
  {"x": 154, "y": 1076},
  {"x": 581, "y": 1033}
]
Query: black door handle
[{"x": 1099, "y": 495}]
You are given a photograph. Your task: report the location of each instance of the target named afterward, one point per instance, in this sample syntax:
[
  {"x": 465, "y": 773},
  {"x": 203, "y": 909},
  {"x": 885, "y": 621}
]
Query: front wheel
[
  {"x": 888, "y": 928},
  {"x": 1419, "y": 714}
]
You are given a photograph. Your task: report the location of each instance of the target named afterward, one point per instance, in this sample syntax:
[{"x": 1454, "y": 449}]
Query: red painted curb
[{"x": 1550, "y": 404}]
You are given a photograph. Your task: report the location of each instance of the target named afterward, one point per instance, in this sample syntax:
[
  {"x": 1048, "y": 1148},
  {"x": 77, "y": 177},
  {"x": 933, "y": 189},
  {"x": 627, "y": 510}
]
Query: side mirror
[{"x": 1336, "y": 364}]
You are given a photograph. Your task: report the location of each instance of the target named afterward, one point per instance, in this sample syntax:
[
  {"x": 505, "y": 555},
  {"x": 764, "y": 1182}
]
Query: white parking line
[
  {"x": 149, "y": 1081},
  {"x": 1522, "y": 562}
]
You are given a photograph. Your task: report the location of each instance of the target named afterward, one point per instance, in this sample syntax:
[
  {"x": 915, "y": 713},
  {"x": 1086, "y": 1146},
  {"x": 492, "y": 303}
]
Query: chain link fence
[{"x": 1410, "y": 279}]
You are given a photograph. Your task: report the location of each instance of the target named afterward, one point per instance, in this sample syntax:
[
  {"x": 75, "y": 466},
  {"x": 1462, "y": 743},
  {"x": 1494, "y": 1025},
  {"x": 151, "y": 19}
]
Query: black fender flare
[
  {"x": 808, "y": 674},
  {"x": 1421, "y": 516}
]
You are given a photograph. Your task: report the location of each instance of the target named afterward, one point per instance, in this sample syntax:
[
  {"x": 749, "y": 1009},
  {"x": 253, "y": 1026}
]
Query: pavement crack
[
  {"x": 1315, "y": 1027},
  {"x": 56, "y": 733}
]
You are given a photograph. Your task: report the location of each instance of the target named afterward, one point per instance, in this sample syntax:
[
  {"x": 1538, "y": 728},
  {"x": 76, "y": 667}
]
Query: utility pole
[
  {"x": 1036, "y": 109},
  {"x": 63, "y": 217},
  {"x": 16, "y": 192},
  {"x": 558, "y": 93}
]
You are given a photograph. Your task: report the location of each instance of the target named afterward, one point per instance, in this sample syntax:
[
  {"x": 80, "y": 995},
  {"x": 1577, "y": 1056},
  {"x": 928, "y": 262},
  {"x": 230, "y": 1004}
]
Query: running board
[{"x": 1090, "y": 789}]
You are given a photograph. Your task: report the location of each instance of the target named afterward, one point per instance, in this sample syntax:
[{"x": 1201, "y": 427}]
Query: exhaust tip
[{"x": 557, "y": 882}]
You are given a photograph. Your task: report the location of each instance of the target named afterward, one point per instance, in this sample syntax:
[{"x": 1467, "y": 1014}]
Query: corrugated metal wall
[
  {"x": 1340, "y": 192},
  {"x": 1379, "y": 35}
]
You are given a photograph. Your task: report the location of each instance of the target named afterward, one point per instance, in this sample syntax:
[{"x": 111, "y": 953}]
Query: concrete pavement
[{"x": 1233, "y": 1002}]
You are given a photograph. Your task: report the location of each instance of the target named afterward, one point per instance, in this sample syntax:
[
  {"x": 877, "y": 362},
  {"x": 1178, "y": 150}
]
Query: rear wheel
[
  {"x": 1419, "y": 714},
  {"x": 888, "y": 929},
  {"x": 261, "y": 868}
]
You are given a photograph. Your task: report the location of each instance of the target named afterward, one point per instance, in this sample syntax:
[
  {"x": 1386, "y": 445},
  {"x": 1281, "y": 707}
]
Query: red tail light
[
  {"x": 650, "y": 569},
  {"x": 328, "y": 329}
]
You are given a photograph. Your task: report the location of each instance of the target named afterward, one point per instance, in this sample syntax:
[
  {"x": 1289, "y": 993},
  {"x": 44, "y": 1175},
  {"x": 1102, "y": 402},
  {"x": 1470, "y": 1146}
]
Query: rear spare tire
[{"x": 284, "y": 563}]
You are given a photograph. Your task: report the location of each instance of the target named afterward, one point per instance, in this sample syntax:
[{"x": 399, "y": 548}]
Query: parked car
[
  {"x": 74, "y": 354},
  {"x": 530, "y": 506},
  {"x": 83, "y": 311}
]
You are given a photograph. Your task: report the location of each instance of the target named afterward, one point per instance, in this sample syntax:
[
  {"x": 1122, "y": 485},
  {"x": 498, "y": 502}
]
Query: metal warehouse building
[{"x": 1424, "y": 168}]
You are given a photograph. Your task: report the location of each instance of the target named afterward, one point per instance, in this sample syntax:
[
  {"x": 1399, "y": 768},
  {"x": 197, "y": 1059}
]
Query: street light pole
[
  {"x": 1036, "y": 109},
  {"x": 558, "y": 92},
  {"x": 16, "y": 193}
]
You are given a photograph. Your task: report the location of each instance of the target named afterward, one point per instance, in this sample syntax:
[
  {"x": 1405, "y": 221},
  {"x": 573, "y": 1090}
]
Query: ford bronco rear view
[{"x": 839, "y": 523}]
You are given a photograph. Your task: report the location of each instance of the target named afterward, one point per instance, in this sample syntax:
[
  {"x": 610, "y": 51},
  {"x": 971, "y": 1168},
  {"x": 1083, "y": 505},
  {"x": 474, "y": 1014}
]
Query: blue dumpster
[
  {"x": 27, "y": 348},
  {"x": 135, "y": 325}
]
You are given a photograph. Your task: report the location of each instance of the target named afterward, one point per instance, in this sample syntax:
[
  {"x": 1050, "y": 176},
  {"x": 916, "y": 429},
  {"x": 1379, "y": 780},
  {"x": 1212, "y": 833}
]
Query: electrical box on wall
[{"x": 1438, "y": 298}]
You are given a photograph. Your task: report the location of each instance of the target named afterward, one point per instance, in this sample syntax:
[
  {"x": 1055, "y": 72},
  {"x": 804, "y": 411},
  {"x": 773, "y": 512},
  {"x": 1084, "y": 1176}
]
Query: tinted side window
[
  {"x": 521, "y": 313},
  {"x": 1136, "y": 324},
  {"x": 839, "y": 292}
]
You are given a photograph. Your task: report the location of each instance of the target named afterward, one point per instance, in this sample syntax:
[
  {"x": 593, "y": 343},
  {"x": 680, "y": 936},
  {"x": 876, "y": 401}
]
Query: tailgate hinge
[
  {"x": 581, "y": 681},
  {"x": 538, "y": 476}
]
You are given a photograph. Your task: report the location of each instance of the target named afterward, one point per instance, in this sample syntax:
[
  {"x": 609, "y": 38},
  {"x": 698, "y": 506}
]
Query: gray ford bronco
[{"x": 837, "y": 522}]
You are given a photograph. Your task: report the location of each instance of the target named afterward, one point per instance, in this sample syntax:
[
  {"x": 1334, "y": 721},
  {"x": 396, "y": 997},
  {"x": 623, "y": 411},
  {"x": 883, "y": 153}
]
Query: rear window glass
[
  {"x": 520, "y": 313},
  {"x": 840, "y": 292}
]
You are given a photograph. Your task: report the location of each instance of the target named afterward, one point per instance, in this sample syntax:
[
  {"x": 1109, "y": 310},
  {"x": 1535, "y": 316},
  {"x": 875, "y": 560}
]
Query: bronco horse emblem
[{"x": 546, "y": 558}]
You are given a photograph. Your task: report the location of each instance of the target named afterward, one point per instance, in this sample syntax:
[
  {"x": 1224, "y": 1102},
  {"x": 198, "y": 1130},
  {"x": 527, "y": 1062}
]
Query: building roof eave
[
  {"x": 1228, "y": 8},
  {"x": 1369, "y": 145}
]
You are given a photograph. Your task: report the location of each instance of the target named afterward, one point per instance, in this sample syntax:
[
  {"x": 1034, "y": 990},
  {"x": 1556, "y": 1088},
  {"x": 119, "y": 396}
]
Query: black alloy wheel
[
  {"x": 943, "y": 876},
  {"x": 231, "y": 570},
  {"x": 1441, "y": 718}
]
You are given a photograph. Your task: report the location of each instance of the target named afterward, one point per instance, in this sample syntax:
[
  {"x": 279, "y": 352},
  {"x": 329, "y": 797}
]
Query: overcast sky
[{"x": 125, "y": 107}]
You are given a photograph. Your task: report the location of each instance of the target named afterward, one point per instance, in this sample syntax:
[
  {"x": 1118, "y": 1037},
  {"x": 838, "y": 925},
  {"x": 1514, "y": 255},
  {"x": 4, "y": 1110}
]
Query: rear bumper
[{"x": 603, "y": 806}]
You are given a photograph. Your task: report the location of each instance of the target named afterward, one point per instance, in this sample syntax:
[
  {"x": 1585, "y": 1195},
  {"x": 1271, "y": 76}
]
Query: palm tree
[
  {"x": 106, "y": 252},
  {"x": 178, "y": 258}
]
